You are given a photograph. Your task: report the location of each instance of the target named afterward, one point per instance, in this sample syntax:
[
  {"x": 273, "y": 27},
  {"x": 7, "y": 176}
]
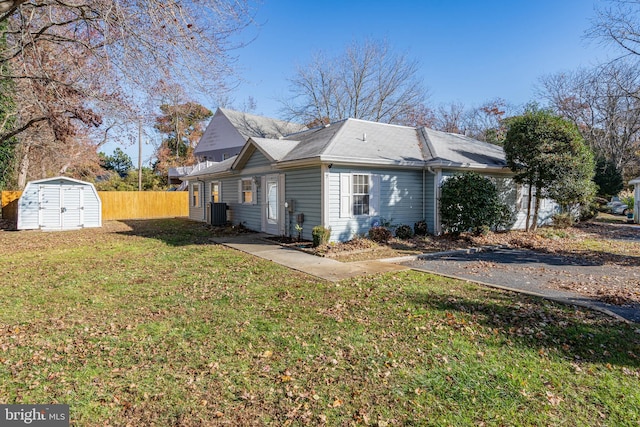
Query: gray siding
[
  {"x": 400, "y": 201},
  {"x": 257, "y": 160},
  {"x": 304, "y": 187},
  {"x": 245, "y": 214},
  {"x": 197, "y": 213}
]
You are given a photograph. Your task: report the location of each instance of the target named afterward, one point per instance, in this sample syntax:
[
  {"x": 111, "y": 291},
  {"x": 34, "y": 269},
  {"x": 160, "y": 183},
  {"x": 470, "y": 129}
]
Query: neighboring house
[
  {"x": 228, "y": 131},
  {"x": 636, "y": 196},
  {"x": 176, "y": 175},
  {"x": 224, "y": 137},
  {"x": 349, "y": 176}
]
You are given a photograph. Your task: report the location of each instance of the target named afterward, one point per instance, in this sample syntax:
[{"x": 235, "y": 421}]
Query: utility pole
[{"x": 139, "y": 154}]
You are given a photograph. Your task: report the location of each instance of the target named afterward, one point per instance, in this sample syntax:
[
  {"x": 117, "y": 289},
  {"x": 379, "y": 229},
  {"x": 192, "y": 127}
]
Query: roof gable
[
  {"x": 229, "y": 128},
  {"x": 273, "y": 149},
  {"x": 454, "y": 149}
]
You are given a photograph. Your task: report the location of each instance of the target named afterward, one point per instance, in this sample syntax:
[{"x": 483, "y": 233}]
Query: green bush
[
  {"x": 589, "y": 211},
  {"x": 404, "y": 232},
  {"x": 321, "y": 235},
  {"x": 470, "y": 202},
  {"x": 420, "y": 228},
  {"x": 380, "y": 234},
  {"x": 563, "y": 220}
]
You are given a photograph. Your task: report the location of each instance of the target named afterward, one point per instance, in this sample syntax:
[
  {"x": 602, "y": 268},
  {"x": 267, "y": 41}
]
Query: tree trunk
[
  {"x": 534, "y": 225},
  {"x": 528, "y": 221},
  {"x": 24, "y": 168}
]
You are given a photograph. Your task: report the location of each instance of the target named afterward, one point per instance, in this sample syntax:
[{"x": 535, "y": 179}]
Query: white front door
[{"x": 271, "y": 207}]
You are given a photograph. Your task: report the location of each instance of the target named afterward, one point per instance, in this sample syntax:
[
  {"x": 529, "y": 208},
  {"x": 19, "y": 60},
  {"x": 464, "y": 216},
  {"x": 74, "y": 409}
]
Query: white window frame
[
  {"x": 195, "y": 194},
  {"x": 211, "y": 185},
  {"x": 242, "y": 191},
  {"x": 347, "y": 193},
  {"x": 364, "y": 208}
]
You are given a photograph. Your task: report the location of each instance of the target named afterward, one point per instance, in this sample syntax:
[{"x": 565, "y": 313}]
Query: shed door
[
  {"x": 72, "y": 211},
  {"x": 61, "y": 207}
]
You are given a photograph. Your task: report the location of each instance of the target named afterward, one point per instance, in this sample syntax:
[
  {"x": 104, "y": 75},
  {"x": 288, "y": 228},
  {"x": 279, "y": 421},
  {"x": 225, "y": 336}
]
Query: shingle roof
[
  {"x": 451, "y": 148},
  {"x": 360, "y": 140},
  {"x": 251, "y": 125},
  {"x": 276, "y": 149}
]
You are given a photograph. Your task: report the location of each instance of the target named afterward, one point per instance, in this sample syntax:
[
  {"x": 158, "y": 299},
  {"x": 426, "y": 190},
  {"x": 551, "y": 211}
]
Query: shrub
[
  {"x": 563, "y": 220},
  {"x": 470, "y": 202},
  {"x": 420, "y": 228},
  {"x": 404, "y": 232},
  {"x": 320, "y": 235},
  {"x": 589, "y": 211},
  {"x": 380, "y": 234}
]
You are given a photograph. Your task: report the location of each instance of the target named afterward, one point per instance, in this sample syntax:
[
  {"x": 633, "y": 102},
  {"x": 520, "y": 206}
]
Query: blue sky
[{"x": 469, "y": 51}]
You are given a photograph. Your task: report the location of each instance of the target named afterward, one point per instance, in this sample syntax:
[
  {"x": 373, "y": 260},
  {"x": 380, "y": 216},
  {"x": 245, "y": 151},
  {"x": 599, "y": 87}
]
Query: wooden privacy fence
[
  {"x": 121, "y": 204},
  {"x": 10, "y": 205},
  {"x": 143, "y": 204}
]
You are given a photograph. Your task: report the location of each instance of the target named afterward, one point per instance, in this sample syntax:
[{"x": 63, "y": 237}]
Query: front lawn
[{"x": 149, "y": 323}]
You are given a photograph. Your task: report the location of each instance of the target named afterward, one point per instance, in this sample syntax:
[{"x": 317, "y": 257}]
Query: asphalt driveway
[{"x": 532, "y": 273}]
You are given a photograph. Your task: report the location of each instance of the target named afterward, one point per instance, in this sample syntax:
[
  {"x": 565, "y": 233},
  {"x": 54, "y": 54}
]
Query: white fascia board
[{"x": 469, "y": 166}]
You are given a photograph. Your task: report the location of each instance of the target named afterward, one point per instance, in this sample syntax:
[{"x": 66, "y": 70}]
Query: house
[
  {"x": 636, "y": 197},
  {"x": 224, "y": 137},
  {"x": 349, "y": 176},
  {"x": 228, "y": 131}
]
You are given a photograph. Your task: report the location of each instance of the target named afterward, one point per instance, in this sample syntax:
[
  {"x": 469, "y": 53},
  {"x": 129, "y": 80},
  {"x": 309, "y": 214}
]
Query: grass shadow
[
  {"x": 580, "y": 335},
  {"x": 179, "y": 231}
]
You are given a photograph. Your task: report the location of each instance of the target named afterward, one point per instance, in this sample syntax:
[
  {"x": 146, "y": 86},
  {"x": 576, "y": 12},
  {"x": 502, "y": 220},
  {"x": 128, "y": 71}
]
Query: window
[
  {"x": 215, "y": 192},
  {"x": 360, "y": 195},
  {"x": 247, "y": 191},
  {"x": 195, "y": 195}
]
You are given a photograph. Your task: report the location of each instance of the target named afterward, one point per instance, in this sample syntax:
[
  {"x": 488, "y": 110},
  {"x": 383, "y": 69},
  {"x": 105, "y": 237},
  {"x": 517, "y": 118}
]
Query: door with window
[{"x": 271, "y": 208}]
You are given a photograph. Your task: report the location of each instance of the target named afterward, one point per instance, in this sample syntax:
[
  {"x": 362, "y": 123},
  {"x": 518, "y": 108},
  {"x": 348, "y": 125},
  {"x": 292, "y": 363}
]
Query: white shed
[{"x": 59, "y": 203}]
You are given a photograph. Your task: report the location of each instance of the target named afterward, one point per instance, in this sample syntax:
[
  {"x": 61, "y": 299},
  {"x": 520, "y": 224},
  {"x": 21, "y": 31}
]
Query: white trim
[
  {"x": 254, "y": 192},
  {"x": 281, "y": 198},
  {"x": 374, "y": 194},
  {"x": 346, "y": 208},
  {"x": 219, "y": 184},
  {"x": 325, "y": 196},
  {"x": 192, "y": 187},
  {"x": 436, "y": 201}
]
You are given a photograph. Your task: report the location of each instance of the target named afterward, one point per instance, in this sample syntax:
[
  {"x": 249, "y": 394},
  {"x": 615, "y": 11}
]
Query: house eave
[{"x": 468, "y": 166}]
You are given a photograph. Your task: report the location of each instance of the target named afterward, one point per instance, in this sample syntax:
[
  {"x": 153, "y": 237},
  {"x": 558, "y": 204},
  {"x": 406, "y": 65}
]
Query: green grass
[{"x": 156, "y": 326}]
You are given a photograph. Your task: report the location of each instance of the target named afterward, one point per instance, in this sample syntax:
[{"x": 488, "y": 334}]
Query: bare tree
[
  {"x": 72, "y": 63},
  {"x": 605, "y": 104},
  {"x": 451, "y": 117},
  {"x": 367, "y": 81},
  {"x": 619, "y": 25},
  {"x": 486, "y": 122}
]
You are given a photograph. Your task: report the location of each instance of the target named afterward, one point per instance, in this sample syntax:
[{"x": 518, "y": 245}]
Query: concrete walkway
[
  {"x": 329, "y": 269},
  {"x": 324, "y": 268}
]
